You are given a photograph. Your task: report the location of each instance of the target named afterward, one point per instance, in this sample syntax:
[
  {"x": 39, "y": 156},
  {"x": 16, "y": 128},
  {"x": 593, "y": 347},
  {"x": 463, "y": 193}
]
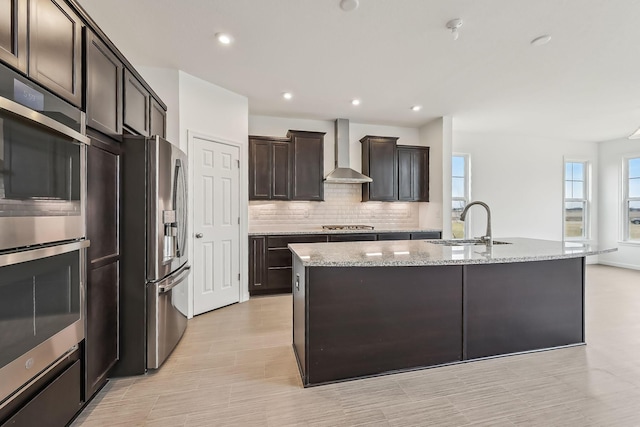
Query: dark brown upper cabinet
[
  {"x": 308, "y": 165},
  {"x": 158, "y": 119},
  {"x": 104, "y": 88},
  {"x": 380, "y": 162},
  {"x": 413, "y": 174},
  {"x": 13, "y": 33},
  {"x": 137, "y": 102},
  {"x": 55, "y": 48},
  {"x": 269, "y": 168}
]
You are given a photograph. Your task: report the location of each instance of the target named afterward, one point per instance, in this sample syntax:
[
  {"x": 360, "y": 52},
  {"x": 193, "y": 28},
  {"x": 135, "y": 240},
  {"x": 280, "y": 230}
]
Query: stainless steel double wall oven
[{"x": 42, "y": 231}]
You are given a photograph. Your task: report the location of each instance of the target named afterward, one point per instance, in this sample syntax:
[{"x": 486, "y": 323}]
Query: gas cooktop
[{"x": 347, "y": 227}]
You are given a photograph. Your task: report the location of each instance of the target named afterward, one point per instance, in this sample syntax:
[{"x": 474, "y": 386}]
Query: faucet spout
[{"x": 488, "y": 239}]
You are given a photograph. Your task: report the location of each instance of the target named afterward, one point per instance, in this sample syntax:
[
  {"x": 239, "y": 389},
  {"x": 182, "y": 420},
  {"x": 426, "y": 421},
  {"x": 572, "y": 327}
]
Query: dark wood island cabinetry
[{"x": 418, "y": 304}]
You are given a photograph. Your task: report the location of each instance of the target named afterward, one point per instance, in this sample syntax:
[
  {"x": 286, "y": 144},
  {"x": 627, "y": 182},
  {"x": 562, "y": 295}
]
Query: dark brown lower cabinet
[
  {"x": 270, "y": 261},
  {"x": 257, "y": 273},
  {"x": 359, "y": 237},
  {"x": 103, "y": 260}
]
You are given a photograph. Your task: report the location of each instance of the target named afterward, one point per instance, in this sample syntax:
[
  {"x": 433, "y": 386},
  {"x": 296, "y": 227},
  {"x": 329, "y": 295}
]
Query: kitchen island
[{"x": 370, "y": 308}]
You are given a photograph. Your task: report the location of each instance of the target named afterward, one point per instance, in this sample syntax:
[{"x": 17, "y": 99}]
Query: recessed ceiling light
[
  {"x": 540, "y": 41},
  {"x": 349, "y": 5},
  {"x": 355, "y": 102},
  {"x": 373, "y": 253},
  {"x": 287, "y": 95},
  {"x": 224, "y": 38},
  {"x": 416, "y": 108}
]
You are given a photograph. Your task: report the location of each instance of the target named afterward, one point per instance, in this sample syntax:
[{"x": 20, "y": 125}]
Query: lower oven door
[
  {"x": 166, "y": 322},
  {"x": 41, "y": 310}
]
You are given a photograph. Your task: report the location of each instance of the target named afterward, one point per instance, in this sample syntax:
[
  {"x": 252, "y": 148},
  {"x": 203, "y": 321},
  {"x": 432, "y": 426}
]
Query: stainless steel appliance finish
[
  {"x": 167, "y": 208},
  {"x": 155, "y": 259},
  {"x": 347, "y": 227},
  {"x": 42, "y": 186},
  {"x": 343, "y": 174},
  {"x": 166, "y": 322},
  {"x": 44, "y": 320}
]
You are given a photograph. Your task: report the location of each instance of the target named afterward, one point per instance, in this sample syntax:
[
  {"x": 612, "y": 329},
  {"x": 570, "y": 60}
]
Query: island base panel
[
  {"x": 518, "y": 307},
  {"x": 371, "y": 320}
]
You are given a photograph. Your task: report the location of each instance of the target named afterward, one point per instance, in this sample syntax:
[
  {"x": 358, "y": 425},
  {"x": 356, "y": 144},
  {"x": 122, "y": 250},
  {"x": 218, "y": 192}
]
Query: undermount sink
[{"x": 465, "y": 242}]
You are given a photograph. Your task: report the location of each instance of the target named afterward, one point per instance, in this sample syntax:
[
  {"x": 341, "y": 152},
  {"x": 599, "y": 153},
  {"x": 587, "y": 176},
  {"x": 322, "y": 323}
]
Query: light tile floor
[{"x": 235, "y": 367}]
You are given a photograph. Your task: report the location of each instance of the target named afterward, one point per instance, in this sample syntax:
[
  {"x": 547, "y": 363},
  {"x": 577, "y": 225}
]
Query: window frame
[
  {"x": 467, "y": 188},
  {"x": 626, "y": 199},
  {"x": 586, "y": 199}
]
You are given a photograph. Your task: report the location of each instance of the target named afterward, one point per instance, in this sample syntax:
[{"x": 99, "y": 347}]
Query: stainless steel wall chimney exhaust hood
[{"x": 343, "y": 174}]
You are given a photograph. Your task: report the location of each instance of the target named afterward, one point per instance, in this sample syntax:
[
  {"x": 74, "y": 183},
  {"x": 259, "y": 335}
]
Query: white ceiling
[{"x": 392, "y": 54}]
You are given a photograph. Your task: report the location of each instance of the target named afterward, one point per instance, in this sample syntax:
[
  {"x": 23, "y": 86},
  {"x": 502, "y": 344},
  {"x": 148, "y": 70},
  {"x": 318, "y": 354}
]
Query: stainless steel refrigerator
[{"x": 155, "y": 262}]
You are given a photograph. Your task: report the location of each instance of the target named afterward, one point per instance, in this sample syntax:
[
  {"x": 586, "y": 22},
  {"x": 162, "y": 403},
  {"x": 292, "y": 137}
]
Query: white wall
[
  {"x": 610, "y": 184},
  {"x": 437, "y": 135},
  {"x": 521, "y": 179}
]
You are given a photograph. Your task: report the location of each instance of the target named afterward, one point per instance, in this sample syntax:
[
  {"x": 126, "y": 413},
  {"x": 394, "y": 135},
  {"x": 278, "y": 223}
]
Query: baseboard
[{"x": 620, "y": 265}]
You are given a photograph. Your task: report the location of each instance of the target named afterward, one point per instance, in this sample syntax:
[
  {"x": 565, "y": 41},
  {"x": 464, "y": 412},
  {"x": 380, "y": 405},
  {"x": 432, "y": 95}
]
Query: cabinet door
[
  {"x": 136, "y": 105},
  {"x": 280, "y": 170},
  {"x": 420, "y": 161},
  {"x": 104, "y": 88},
  {"x": 380, "y": 162},
  {"x": 55, "y": 48},
  {"x": 257, "y": 270},
  {"x": 308, "y": 165},
  {"x": 158, "y": 119},
  {"x": 259, "y": 169},
  {"x": 103, "y": 262},
  {"x": 405, "y": 175},
  {"x": 13, "y": 33},
  {"x": 413, "y": 174}
]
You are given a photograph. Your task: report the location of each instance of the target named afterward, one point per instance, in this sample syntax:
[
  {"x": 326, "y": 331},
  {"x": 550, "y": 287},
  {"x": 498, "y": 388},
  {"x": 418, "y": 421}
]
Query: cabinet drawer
[
  {"x": 57, "y": 403},
  {"x": 279, "y": 278},
  {"x": 426, "y": 235},
  {"x": 394, "y": 236},
  {"x": 283, "y": 241},
  {"x": 351, "y": 237},
  {"x": 279, "y": 258}
]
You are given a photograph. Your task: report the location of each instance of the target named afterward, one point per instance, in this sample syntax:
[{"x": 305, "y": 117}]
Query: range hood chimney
[{"x": 343, "y": 174}]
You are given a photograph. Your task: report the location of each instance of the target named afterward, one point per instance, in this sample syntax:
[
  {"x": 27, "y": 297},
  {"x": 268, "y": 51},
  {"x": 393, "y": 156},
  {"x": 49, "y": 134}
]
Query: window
[
  {"x": 459, "y": 193},
  {"x": 576, "y": 201},
  {"x": 632, "y": 199}
]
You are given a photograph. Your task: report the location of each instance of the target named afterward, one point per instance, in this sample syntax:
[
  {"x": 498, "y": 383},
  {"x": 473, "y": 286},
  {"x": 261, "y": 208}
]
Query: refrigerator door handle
[{"x": 179, "y": 277}]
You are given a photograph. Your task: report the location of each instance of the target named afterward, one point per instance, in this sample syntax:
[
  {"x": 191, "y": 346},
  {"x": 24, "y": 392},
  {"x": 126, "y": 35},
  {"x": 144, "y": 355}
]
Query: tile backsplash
[{"x": 342, "y": 205}]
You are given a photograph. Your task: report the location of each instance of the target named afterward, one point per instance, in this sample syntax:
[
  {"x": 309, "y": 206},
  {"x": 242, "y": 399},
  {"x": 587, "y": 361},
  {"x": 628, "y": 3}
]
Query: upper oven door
[
  {"x": 42, "y": 186},
  {"x": 167, "y": 208}
]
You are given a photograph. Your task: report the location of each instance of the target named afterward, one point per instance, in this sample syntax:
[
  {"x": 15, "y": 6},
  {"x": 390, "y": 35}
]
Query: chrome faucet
[{"x": 488, "y": 240}]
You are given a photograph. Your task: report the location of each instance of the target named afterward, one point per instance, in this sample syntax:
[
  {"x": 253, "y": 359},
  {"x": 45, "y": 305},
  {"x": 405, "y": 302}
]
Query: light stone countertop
[
  {"x": 424, "y": 252},
  {"x": 268, "y": 231}
]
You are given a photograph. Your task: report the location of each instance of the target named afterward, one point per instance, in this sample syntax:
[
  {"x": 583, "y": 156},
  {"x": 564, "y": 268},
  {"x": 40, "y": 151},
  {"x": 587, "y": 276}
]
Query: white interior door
[{"x": 216, "y": 229}]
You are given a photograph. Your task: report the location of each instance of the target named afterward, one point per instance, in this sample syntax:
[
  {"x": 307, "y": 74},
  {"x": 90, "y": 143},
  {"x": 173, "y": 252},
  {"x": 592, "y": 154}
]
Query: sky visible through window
[{"x": 457, "y": 173}]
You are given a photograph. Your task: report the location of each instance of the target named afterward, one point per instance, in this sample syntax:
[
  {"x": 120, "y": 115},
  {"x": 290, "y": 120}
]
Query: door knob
[{"x": 199, "y": 235}]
